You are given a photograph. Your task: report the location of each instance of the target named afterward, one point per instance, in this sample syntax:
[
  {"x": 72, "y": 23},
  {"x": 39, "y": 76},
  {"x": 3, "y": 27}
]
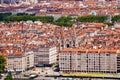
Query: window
[
  {"x": 15, "y": 61},
  {"x": 67, "y": 45},
  {"x": 107, "y": 54},
  {"x": 62, "y": 46}
]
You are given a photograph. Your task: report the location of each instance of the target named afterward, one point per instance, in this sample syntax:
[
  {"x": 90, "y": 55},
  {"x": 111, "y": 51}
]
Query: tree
[
  {"x": 3, "y": 15},
  {"x": 9, "y": 76},
  {"x": 23, "y": 17},
  {"x": 64, "y": 21},
  {"x": 116, "y": 18},
  {"x": 92, "y": 18},
  {"x": 2, "y": 63}
]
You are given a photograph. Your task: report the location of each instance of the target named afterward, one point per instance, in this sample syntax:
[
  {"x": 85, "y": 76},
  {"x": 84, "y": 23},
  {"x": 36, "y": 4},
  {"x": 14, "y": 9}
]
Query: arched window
[{"x": 67, "y": 45}]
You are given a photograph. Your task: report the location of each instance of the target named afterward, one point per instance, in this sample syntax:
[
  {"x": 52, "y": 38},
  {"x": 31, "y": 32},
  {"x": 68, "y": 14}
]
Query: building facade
[
  {"x": 77, "y": 60},
  {"x": 46, "y": 55},
  {"x": 20, "y": 62}
]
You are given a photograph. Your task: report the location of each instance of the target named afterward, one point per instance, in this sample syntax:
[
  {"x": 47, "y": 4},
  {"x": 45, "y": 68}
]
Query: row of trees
[
  {"x": 6, "y": 17},
  {"x": 62, "y": 21},
  {"x": 3, "y": 15},
  {"x": 91, "y": 18},
  {"x": 116, "y": 18},
  {"x": 46, "y": 19}
]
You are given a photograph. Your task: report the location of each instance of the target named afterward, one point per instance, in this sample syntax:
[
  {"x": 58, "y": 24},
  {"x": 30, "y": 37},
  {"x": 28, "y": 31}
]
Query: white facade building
[
  {"x": 20, "y": 62},
  {"x": 46, "y": 55},
  {"x": 77, "y": 60}
]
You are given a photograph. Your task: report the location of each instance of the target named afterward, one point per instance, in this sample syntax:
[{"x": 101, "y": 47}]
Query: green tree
[
  {"x": 2, "y": 63},
  {"x": 116, "y": 18},
  {"x": 9, "y": 76},
  {"x": 92, "y": 18},
  {"x": 3, "y": 15},
  {"x": 64, "y": 21},
  {"x": 46, "y": 19}
]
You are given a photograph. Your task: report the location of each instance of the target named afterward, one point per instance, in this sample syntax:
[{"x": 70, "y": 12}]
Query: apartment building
[
  {"x": 45, "y": 55},
  {"x": 20, "y": 61},
  {"x": 92, "y": 60}
]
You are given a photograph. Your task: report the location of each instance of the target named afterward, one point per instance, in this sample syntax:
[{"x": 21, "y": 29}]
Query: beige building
[
  {"x": 20, "y": 61},
  {"x": 45, "y": 55},
  {"x": 92, "y": 60}
]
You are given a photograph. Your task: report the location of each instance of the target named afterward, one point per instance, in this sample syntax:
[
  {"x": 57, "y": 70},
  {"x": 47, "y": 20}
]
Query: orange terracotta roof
[{"x": 77, "y": 50}]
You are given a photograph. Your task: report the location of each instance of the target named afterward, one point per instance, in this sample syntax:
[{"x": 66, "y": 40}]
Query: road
[
  {"x": 45, "y": 73},
  {"x": 42, "y": 72}
]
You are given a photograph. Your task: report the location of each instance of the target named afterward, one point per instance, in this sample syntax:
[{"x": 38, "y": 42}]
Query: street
[{"x": 47, "y": 73}]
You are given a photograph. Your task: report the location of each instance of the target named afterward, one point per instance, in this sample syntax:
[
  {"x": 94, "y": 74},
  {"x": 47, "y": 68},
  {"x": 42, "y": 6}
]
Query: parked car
[
  {"x": 33, "y": 76},
  {"x": 40, "y": 65},
  {"x": 56, "y": 69}
]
